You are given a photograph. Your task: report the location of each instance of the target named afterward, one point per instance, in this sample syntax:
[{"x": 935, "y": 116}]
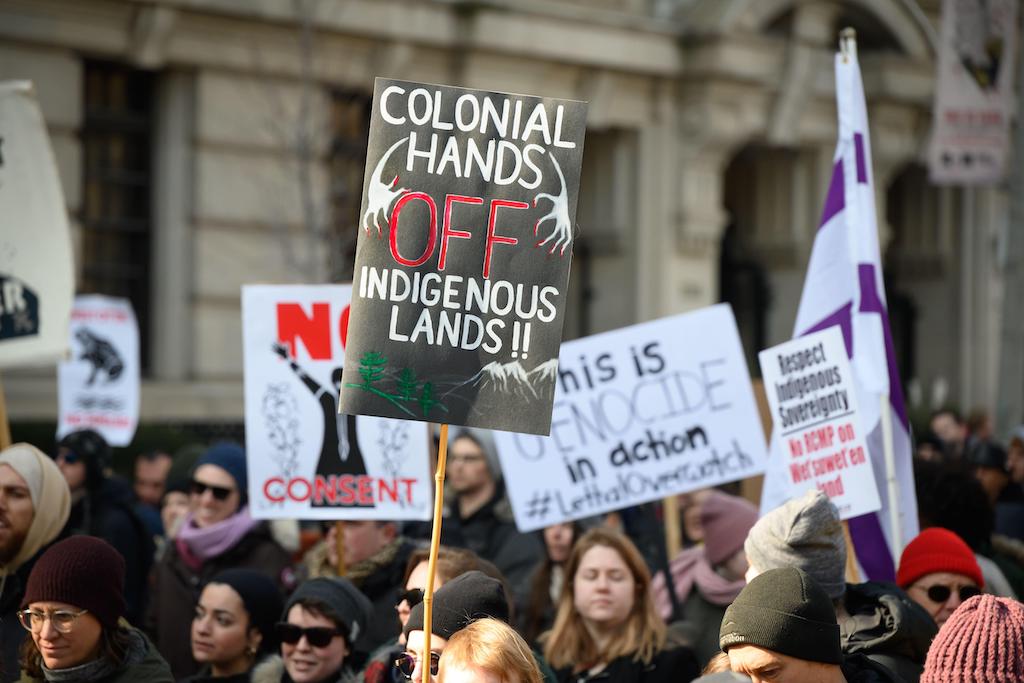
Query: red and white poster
[
  {"x": 974, "y": 98},
  {"x": 306, "y": 460},
  {"x": 99, "y": 383},
  {"x": 817, "y": 438}
]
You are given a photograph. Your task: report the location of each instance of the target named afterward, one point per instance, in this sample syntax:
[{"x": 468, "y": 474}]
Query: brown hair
[
  {"x": 568, "y": 643},
  {"x": 114, "y": 644},
  {"x": 451, "y": 562},
  {"x": 493, "y": 646},
  {"x": 717, "y": 664}
]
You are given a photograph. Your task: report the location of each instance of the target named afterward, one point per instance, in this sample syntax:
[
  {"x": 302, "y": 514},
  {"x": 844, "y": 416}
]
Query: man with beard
[{"x": 34, "y": 506}]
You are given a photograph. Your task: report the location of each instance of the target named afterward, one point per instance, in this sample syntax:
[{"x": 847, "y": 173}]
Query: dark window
[
  {"x": 116, "y": 223},
  {"x": 350, "y": 127}
]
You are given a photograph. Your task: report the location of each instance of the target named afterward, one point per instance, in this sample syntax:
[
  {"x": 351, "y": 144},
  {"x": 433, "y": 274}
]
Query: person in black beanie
[
  {"x": 320, "y": 624},
  {"x": 233, "y": 626},
  {"x": 468, "y": 597},
  {"x": 73, "y": 608},
  {"x": 782, "y": 628}
]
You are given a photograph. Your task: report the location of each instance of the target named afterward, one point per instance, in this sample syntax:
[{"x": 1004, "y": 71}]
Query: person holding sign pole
[
  {"x": 606, "y": 627},
  {"x": 876, "y": 619}
]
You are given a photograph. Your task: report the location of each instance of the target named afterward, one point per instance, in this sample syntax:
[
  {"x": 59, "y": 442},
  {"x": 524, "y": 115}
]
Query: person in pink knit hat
[
  {"x": 708, "y": 578},
  {"x": 982, "y": 642},
  {"x": 939, "y": 572}
]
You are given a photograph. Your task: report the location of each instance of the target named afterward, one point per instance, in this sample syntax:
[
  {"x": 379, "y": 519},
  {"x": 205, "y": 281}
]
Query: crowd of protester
[{"x": 170, "y": 578}]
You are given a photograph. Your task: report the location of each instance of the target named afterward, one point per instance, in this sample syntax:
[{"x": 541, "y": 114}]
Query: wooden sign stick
[
  {"x": 435, "y": 542},
  {"x": 5, "y": 426},
  {"x": 339, "y": 546}
]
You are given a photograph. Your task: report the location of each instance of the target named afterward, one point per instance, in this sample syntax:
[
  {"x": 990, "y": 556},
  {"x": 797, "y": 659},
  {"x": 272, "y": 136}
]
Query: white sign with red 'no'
[{"x": 305, "y": 459}]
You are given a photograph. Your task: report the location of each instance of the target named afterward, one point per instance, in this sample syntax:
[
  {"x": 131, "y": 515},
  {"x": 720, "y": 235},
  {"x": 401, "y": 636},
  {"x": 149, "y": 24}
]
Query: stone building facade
[{"x": 204, "y": 144}]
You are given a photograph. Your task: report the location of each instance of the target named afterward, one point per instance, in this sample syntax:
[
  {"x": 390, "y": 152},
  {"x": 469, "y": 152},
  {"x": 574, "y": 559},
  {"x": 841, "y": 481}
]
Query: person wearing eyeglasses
[
  {"x": 451, "y": 562},
  {"x": 34, "y": 505},
  {"x": 939, "y": 572},
  {"x": 321, "y": 622},
  {"x": 103, "y": 505},
  {"x": 487, "y": 651},
  {"x": 468, "y": 597},
  {"x": 217, "y": 534},
  {"x": 74, "y": 611},
  {"x": 233, "y": 626}
]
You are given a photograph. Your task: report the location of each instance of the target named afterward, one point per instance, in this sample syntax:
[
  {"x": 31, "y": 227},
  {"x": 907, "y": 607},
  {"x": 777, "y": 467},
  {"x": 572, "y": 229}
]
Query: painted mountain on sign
[{"x": 513, "y": 379}]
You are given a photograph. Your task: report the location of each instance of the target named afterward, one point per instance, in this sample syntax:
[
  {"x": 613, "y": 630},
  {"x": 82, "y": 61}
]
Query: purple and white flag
[{"x": 844, "y": 288}]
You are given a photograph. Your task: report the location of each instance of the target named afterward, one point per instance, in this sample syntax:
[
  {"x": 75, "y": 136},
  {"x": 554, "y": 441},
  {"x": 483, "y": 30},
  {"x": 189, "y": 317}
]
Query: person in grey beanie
[
  {"x": 321, "y": 621},
  {"x": 480, "y": 516},
  {"x": 876, "y": 619},
  {"x": 782, "y": 628}
]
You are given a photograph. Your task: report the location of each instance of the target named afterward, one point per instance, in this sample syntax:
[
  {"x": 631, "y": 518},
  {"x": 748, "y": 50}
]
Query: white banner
[
  {"x": 99, "y": 386},
  {"x": 974, "y": 94},
  {"x": 305, "y": 460},
  {"x": 36, "y": 273},
  {"x": 818, "y": 438},
  {"x": 640, "y": 413}
]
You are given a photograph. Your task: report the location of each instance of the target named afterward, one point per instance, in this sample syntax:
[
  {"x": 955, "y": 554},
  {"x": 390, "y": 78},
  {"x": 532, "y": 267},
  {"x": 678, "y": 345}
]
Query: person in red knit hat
[
  {"x": 939, "y": 572},
  {"x": 983, "y": 642}
]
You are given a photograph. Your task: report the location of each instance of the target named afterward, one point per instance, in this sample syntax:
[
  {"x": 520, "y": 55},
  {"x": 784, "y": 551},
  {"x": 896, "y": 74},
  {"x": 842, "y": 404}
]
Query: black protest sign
[{"x": 462, "y": 263}]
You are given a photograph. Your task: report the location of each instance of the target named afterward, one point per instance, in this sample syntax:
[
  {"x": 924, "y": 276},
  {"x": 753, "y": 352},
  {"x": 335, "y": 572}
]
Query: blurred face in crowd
[
  {"x": 214, "y": 496},
  {"x": 947, "y": 428},
  {"x": 176, "y": 506},
  {"x": 993, "y": 480},
  {"x": 766, "y": 666},
  {"x": 16, "y": 513},
  {"x": 558, "y": 539},
  {"x": 604, "y": 590},
  {"x": 305, "y": 662},
  {"x": 941, "y": 593},
  {"x": 151, "y": 477},
  {"x": 736, "y": 567},
  {"x": 60, "y": 650},
  {"x": 467, "y": 466},
  {"x": 1015, "y": 461},
  {"x": 414, "y": 649},
  {"x": 72, "y": 466},
  {"x": 363, "y": 539},
  {"x": 417, "y": 581},
  {"x": 221, "y": 634}
]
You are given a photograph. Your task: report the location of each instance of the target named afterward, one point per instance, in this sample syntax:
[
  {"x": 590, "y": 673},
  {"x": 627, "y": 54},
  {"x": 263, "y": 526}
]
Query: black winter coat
[
  {"x": 491, "y": 533},
  {"x": 176, "y": 590},
  {"x": 886, "y": 626},
  {"x": 12, "y": 590},
  {"x": 860, "y": 669},
  {"x": 671, "y": 665}
]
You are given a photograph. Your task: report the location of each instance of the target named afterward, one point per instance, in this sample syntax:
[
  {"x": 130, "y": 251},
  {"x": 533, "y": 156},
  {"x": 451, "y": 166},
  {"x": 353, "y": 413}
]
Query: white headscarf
[{"x": 51, "y": 499}]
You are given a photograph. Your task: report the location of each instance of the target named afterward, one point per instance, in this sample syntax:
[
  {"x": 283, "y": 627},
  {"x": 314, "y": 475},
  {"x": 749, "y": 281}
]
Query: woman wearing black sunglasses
[
  {"x": 939, "y": 572},
  {"x": 321, "y": 621},
  {"x": 217, "y": 534}
]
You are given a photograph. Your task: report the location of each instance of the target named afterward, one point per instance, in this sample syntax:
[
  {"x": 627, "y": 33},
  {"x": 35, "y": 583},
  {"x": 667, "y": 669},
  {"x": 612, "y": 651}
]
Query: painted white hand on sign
[{"x": 640, "y": 413}]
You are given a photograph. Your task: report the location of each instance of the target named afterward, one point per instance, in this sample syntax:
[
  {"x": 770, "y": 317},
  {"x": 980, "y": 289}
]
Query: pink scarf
[
  {"x": 197, "y": 545},
  {"x": 690, "y": 568}
]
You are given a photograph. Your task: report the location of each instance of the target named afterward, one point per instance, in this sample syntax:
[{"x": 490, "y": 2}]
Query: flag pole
[
  {"x": 896, "y": 535},
  {"x": 435, "y": 542}
]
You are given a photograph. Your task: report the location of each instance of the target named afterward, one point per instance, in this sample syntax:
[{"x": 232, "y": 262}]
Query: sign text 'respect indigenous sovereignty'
[{"x": 462, "y": 263}]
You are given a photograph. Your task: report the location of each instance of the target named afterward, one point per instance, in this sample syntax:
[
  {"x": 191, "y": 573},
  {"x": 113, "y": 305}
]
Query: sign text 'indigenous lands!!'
[
  {"x": 640, "y": 413},
  {"x": 462, "y": 263},
  {"x": 818, "y": 438},
  {"x": 305, "y": 459}
]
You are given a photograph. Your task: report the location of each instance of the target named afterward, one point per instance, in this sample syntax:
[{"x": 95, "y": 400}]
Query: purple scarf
[
  {"x": 690, "y": 568},
  {"x": 197, "y": 545}
]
